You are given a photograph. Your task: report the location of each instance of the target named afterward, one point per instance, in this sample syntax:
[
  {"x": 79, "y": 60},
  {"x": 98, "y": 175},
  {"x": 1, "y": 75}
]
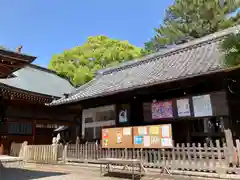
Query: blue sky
[{"x": 47, "y": 27}]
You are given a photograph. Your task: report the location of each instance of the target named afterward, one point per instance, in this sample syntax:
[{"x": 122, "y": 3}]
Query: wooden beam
[{"x": 14, "y": 58}]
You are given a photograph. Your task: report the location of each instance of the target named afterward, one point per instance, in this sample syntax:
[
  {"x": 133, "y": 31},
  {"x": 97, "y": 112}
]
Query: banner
[{"x": 162, "y": 110}]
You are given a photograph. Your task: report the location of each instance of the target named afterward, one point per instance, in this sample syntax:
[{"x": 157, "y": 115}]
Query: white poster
[
  {"x": 202, "y": 105},
  {"x": 127, "y": 131},
  {"x": 166, "y": 142},
  {"x": 165, "y": 131},
  {"x": 183, "y": 108},
  {"x": 142, "y": 131},
  {"x": 146, "y": 141}
]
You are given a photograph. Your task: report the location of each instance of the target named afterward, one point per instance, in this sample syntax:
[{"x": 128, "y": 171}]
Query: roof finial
[{"x": 19, "y": 49}]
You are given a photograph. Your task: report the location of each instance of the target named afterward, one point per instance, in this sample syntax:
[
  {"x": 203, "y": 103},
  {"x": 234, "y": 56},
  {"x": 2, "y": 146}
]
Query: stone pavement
[{"x": 63, "y": 172}]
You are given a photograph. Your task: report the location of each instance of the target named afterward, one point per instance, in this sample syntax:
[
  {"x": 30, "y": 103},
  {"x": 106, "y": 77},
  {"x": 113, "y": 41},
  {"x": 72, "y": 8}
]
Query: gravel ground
[{"x": 58, "y": 172}]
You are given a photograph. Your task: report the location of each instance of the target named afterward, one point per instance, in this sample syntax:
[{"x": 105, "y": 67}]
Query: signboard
[
  {"x": 183, "y": 108},
  {"x": 156, "y": 136},
  {"x": 162, "y": 110},
  {"x": 202, "y": 105},
  {"x": 117, "y": 137}
]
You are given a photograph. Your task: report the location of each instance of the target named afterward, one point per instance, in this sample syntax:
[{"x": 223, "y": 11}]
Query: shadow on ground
[
  {"x": 22, "y": 174},
  {"x": 123, "y": 175}
]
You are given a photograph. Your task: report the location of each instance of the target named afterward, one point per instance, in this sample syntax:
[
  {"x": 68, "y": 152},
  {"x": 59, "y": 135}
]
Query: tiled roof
[
  {"x": 200, "y": 56},
  {"x": 38, "y": 80}
]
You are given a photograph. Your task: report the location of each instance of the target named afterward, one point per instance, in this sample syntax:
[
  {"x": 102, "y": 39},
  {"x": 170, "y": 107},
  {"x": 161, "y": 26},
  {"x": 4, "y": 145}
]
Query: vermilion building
[{"x": 24, "y": 90}]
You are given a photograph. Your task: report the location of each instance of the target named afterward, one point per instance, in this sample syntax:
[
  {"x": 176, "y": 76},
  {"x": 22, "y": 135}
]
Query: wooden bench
[{"x": 128, "y": 166}]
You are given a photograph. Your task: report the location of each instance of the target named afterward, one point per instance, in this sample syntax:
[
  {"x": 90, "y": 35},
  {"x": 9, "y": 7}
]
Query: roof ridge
[
  {"x": 194, "y": 43},
  {"x": 17, "y": 53},
  {"x": 43, "y": 68}
]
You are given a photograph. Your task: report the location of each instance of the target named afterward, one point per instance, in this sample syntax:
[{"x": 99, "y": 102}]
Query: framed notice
[
  {"x": 123, "y": 116},
  {"x": 117, "y": 137},
  {"x": 162, "y": 110},
  {"x": 202, "y": 105},
  {"x": 183, "y": 108},
  {"x": 154, "y": 136}
]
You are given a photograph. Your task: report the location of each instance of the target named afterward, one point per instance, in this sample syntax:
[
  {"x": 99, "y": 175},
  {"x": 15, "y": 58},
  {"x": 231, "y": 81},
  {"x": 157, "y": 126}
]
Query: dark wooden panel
[{"x": 219, "y": 103}]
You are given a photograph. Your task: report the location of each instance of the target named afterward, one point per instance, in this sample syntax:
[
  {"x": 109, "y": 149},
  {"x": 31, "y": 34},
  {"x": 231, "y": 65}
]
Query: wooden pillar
[
  {"x": 34, "y": 131},
  {"x": 78, "y": 128}
]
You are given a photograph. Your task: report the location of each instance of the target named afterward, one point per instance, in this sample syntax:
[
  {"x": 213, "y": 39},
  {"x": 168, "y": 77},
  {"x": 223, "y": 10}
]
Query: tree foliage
[
  {"x": 81, "y": 62},
  {"x": 2, "y": 47},
  {"x": 189, "y": 19},
  {"x": 231, "y": 49}
]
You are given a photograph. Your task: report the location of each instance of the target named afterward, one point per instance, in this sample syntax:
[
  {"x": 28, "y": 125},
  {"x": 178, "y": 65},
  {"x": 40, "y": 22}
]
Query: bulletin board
[
  {"x": 156, "y": 136},
  {"x": 117, "y": 137}
]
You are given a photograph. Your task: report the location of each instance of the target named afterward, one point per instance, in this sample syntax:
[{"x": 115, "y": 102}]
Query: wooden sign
[
  {"x": 117, "y": 137},
  {"x": 156, "y": 136}
]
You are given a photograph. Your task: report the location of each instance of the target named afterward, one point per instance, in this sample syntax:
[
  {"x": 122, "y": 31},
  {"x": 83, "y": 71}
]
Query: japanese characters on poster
[
  {"x": 183, "y": 107},
  {"x": 162, "y": 110},
  {"x": 202, "y": 106}
]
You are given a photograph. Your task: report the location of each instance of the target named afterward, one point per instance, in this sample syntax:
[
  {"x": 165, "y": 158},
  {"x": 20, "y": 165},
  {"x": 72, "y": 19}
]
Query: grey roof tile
[
  {"x": 197, "y": 57},
  {"x": 39, "y": 80}
]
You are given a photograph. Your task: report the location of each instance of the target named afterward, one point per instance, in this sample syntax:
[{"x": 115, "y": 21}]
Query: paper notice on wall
[
  {"x": 165, "y": 131},
  {"x": 105, "y": 133},
  {"x": 154, "y": 140},
  {"x": 183, "y": 107},
  {"x": 154, "y": 130},
  {"x": 202, "y": 105},
  {"x": 146, "y": 141},
  {"x": 138, "y": 139},
  {"x": 166, "y": 142},
  {"x": 119, "y": 138},
  {"x": 127, "y": 131},
  {"x": 105, "y": 142},
  {"x": 142, "y": 130}
]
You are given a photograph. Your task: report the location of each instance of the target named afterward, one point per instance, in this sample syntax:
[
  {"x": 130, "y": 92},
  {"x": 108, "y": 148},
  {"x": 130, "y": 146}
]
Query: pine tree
[{"x": 189, "y": 19}]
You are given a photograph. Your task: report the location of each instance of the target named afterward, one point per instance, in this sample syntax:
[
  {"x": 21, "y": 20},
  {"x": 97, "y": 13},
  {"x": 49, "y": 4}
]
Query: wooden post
[
  {"x": 34, "y": 131},
  {"x": 230, "y": 145},
  {"x": 65, "y": 153}
]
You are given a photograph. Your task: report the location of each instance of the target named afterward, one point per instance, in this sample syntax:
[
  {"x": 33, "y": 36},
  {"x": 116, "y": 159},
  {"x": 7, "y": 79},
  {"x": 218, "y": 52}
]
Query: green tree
[
  {"x": 2, "y": 47},
  {"x": 189, "y": 19},
  {"x": 231, "y": 49},
  {"x": 81, "y": 62}
]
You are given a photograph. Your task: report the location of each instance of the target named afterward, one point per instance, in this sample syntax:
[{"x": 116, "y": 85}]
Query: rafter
[
  {"x": 24, "y": 96},
  {"x": 13, "y": 58}
]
